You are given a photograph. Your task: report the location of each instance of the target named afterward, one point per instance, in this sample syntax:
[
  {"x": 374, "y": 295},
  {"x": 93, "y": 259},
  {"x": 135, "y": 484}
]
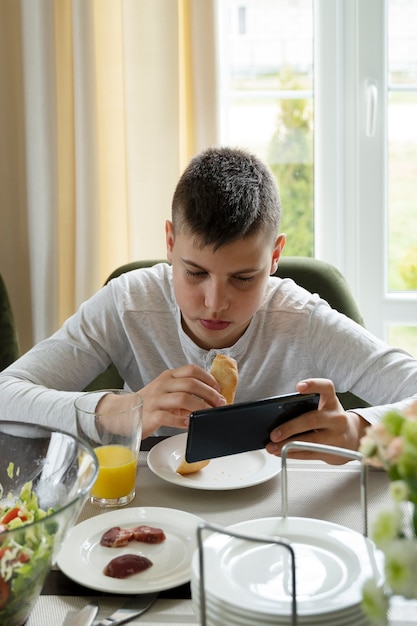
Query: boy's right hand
[{"x": 170, "y": 398}]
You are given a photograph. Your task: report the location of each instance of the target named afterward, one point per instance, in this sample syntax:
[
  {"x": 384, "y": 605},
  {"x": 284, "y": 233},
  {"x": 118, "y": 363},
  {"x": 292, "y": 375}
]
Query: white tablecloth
[{"x": 315, "y": 489}]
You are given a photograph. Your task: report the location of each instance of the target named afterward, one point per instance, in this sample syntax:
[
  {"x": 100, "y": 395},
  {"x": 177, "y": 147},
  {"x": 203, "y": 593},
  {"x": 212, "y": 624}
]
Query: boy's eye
[
  {"x": 200, "y": 274},
  {"x": 244, "y": 279},
  {"x": 194, "y": 274}
]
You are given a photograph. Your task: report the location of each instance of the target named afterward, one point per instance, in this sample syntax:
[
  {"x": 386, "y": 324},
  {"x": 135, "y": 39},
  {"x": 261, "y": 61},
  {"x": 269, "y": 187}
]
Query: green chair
[
  {"x": 9, "y": 341},
  {"x": 314, "y": 275}
]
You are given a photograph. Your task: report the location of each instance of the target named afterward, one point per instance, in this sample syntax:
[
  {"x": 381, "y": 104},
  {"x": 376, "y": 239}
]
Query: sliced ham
[
  {"x": 148, "y": 534},
  {"x": 126, "y": 565},
  {"x": 117, "y": 537}
]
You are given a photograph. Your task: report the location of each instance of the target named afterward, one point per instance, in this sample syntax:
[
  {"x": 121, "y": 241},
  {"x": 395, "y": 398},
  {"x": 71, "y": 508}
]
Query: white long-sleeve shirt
[{"x": 135, "y": 323}]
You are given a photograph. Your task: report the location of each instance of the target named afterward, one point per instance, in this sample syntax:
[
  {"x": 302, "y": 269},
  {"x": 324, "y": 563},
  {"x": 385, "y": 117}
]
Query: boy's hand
[
  {"x": 173, "y": 395},
  {"x": 330, "y": 425}
]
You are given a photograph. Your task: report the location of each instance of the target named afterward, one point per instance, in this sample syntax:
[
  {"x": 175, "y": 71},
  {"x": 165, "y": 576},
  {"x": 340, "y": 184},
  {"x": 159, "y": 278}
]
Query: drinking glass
[{"x": 115, "y": 437}]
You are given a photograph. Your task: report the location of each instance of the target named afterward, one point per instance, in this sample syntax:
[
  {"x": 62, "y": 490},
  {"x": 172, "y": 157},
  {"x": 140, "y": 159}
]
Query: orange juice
[{"x": 117, "y": 472}]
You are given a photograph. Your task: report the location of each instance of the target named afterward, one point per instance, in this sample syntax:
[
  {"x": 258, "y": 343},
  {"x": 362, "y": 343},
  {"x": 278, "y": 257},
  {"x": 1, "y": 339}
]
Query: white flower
[
  {"x": 392, "y": 444},
  {"x": 375, "y": 603},
  {"x": 400, "y": 567},
  {"x": 399, "y": 490},
  {"x": 387, "y": 526}
]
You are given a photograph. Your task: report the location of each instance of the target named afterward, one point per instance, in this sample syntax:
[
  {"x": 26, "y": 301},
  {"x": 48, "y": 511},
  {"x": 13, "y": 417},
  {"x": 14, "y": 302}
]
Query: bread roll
[
  {"x": 224, "y": 370},
  {"x": 191, "y": 468}
]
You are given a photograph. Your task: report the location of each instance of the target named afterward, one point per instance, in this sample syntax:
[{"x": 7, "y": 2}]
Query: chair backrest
[
  {"x": 314, "y": 275},
  {"x": 9, "y": 341}
]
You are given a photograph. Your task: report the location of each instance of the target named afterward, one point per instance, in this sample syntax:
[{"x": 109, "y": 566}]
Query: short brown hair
[{"x": 226, "y": 194}]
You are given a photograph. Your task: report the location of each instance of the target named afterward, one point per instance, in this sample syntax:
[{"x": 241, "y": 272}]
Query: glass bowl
[{"x": 45, "y": 474}]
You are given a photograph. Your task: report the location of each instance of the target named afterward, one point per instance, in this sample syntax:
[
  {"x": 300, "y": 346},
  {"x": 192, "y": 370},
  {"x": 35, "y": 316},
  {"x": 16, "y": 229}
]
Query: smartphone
[{"x": 243, "y": 426}]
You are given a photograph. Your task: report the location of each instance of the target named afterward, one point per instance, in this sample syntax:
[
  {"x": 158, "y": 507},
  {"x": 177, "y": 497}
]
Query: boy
[{"x": 163, "y": 326}]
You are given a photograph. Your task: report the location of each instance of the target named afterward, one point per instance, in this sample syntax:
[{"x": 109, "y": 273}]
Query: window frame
[
  {"x": 350, "y": 137},
  {"x": 351, "y": 163}
]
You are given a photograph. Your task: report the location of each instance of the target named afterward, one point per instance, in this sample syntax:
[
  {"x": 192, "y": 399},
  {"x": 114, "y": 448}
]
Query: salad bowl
[{"x": 45, "y": 478}]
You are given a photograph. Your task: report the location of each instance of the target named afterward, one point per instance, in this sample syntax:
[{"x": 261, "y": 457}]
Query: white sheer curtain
[
  {"x": 117, "y": 95},
  {"x": 41, "y": 161}
]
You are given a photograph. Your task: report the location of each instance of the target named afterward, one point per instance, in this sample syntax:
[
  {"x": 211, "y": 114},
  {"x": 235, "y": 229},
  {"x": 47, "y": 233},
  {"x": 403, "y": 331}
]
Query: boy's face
[{"x": 219, "y": 291}]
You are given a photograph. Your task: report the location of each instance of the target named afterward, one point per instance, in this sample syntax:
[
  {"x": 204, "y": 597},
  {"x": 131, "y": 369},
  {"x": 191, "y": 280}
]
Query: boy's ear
[
  {"x": 277, "y": 251},
  {"x": 169, "y": 238}
]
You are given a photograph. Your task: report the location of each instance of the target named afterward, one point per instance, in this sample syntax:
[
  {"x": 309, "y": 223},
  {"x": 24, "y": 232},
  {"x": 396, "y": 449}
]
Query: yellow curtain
[
  {"x": 102, "y": 104},
  {"x": 65, "y": 155},
  {"x": 186, "y": 109}
]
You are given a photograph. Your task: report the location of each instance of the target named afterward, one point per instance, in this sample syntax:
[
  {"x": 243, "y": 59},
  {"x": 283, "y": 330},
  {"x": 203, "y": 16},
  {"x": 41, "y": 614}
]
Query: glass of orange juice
[{"x": 110, "y": 420}]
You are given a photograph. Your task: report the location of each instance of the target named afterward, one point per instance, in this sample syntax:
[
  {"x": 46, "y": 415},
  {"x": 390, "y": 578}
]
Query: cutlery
[
  {"x": 84, "y": 617},
  {"x": 132, "y": 608}
]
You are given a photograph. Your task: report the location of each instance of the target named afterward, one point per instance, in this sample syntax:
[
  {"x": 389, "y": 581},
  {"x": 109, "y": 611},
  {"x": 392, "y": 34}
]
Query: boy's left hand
[{"x": 330, "y": 425}]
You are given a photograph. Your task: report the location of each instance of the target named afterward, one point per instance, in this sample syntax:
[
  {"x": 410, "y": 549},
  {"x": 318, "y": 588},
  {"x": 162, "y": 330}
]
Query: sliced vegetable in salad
[
  {"x": 24, "y": 510},
  {"x": 23, "y": 552}
]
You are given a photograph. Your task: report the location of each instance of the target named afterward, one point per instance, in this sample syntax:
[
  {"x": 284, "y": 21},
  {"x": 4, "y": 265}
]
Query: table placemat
[{"x": 58, "y": 610}]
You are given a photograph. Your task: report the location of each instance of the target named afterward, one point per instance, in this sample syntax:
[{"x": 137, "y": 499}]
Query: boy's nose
[{"x": 216, "y": 297}]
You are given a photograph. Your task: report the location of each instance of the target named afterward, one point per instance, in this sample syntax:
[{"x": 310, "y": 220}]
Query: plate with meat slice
[
  {"x": 229, "y": 472},
  {"x": 130, "y": 551}
]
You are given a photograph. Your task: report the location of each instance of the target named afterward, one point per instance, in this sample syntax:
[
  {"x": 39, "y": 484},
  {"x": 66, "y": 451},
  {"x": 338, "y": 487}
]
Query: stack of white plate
[{"x": 249, "y": 583}]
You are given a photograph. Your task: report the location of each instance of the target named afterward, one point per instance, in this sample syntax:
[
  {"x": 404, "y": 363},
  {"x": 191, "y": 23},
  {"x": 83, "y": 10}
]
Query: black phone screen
[{"x": 242, "y": 427}]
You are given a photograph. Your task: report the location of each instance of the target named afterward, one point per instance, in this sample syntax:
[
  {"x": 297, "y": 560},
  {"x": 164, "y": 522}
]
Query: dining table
[{"x": 314, "y": 489}]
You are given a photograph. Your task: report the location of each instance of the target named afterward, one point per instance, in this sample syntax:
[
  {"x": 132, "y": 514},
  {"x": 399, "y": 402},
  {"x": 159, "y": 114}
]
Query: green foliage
[
  {"x": 290, "y": 157},
  {"x": 408, "y": 269},
  {"x": 297, "y": 202}
]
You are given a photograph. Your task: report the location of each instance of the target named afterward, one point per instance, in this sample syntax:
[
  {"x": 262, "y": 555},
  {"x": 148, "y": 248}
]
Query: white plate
[
  {"x": 229, "y": 472},
  {"x": 218, "y": 615},
  {"x": 83, "y": 559},
  {"x": 332, "y": 564}
]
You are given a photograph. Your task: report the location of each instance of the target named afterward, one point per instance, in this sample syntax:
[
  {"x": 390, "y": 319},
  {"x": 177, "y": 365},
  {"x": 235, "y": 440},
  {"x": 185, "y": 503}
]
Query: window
[
  {"x": 402, "y": 145},
  {"x": 339, "y": 133},
  {"x": 267, "y": 101},
  {"x": 402, "y": 167}
]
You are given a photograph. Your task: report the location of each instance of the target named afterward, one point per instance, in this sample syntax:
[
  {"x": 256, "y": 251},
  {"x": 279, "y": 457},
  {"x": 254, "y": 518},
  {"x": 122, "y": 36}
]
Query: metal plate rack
[{"x": 281, "y": 541}]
